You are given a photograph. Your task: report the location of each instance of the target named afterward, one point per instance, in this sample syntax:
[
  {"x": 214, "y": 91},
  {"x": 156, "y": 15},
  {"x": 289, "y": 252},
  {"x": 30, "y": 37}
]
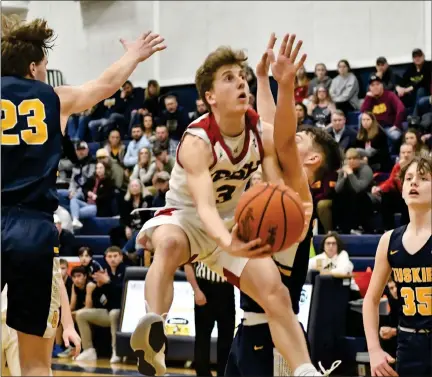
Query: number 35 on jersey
[{"x": 33, "y": 110}]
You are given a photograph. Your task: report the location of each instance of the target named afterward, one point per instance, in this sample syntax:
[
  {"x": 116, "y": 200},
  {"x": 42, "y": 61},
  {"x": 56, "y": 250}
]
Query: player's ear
[
  {"x": 210, "y": 97},
  {"x": 32, "y": 70},
  {"x": 314, "y": 160}
]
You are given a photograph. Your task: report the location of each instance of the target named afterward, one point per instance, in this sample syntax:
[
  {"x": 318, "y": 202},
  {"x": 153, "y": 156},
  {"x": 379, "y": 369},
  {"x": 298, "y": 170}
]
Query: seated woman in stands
[
  {"x": 98, "y": 197},
  {"x": 372, "y": 143},
  {"x": 413, "y": 138},
  {"x": 321, "y": 107},
  {"x": 145, "y": 169},
  {"x": 334, "y": 260}
]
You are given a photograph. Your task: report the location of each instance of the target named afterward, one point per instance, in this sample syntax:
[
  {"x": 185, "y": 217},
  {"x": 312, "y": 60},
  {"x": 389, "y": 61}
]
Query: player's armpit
[
  {"x": 375, "y": 290},
  {"x": 195, "y": 156}
]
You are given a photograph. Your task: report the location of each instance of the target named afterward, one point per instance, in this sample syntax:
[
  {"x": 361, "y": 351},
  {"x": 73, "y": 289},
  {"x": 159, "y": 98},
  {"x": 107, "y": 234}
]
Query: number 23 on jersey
[{"x": 34, "y": 111}]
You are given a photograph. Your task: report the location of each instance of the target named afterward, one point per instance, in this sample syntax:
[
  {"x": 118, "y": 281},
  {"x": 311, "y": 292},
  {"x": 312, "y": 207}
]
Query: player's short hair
[
  {"x": 23, "y": 43},
  {"x": 84, "y": 249},
  {"x": 328, "y": 147},
  {"x": 113, "y": 249},
  {"x": 205, "y": 74},
  {"x": 78, "y": 270},
  {"x": 424, "y": 166}
]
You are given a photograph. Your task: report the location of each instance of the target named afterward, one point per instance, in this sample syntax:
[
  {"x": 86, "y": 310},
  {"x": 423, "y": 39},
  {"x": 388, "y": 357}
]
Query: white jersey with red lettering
[{"x": 230, "y": 173}]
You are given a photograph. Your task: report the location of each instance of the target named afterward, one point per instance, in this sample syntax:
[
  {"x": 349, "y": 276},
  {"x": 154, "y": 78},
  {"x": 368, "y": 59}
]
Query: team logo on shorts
[{"x": 55, "y": 319}]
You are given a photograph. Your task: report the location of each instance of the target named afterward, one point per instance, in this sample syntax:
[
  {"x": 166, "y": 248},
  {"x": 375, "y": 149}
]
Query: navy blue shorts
[
  {"x": 251, "y": 352},
  {"x": 413, "y": 355},
  {"x": 30, "y": 268}
]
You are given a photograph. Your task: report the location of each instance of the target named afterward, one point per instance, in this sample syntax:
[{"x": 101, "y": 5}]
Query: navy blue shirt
[{"x": 31, "y": 143}]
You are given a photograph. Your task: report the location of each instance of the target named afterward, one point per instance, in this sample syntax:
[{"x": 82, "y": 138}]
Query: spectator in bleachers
[
  {"x": 118, "y": 174},
  {"x": 81, "y": 172},
  {"x": 66, "y": 240},
  {"x": 130, "y": 100},
  {"x": 344, "y": 135},
  {"x": 353, "y": 204},
  {"x": 77, "y": 300},
  {"x": 110, "y": 116},
  {"x": 137, "y": 196},
  {"x": 385, "y": 73},
  {"x": 66, "y": 163},
  {"x": 116, "y": 153},
  {"x": 344, "y": 88},
  {"x": 64, "y": 266},
  {"x": 149, "y": 131},
  {"x": 256, "y": 178},
  {"x": 302, "y": 115},
  {"x": 138, "y": 142},
  {"x": 161, "y": 183},
  {"x": 321, "y": 106},
  {"x": 320, "y": 79},
  {"x": 145, "y": 168},
  {"x": 201, "y": 109},
  {"x": 386, "y": 106},
  {"x": 58, "y": 343},
  {"x": 106, "y": 299},
  {"x": 323, "y": 192},
  {"x": 301, "y": 85},
  {"x": 389, "y": 325},
  {"x": 390, "y": 191},
  {"x": 151, "y": 99},
  {"x": 163, "y": 138},
  {"x": 175, "y": 117},
  {"x": 77, "y": 124},
  {"x": 372, "y": 143},
  {"x": 333, "y": 259},
  {"x": 424, "y": 105},
  {"x": 163, "y": 162},
  {"x": 91, "y": 266},
  {"x": 98, "y": 197},
  {"x": 416, "y": 80},
  {"x": 412, "y": 137}
]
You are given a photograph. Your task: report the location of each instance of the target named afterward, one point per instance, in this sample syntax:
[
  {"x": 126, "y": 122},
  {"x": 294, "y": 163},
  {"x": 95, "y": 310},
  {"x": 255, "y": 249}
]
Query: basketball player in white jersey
[{"x": 215, "y": 159}]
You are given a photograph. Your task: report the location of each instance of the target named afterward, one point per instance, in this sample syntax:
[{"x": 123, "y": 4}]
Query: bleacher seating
[{"x": 98, "y": 226}]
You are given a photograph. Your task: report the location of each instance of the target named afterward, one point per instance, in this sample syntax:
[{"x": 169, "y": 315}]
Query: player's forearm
[
  {"x": 66, "y": 315},
  {"x": 285, "y": 121},
  {"x": 214, "y": 226},
  {"x": 115, "y": 76},
  {"x": 371, "y": 322},
  {"x": 265, "y": 102}
]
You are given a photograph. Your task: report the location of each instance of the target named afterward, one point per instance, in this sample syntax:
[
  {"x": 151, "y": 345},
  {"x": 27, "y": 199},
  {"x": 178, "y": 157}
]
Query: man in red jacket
[
  {"x": 391, "y": 191},
  {"x": 386, "y": 106}
]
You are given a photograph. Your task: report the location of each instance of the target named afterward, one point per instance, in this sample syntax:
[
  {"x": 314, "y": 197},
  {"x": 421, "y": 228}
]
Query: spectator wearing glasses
[{"x": 321, "y": 106}]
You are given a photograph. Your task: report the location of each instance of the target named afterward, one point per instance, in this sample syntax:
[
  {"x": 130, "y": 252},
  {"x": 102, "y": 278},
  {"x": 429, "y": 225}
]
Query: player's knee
[
  {"x": 171, "y": 250},
  {"x": 80, "y": 314},
  {"x": 275, "y": 296}
]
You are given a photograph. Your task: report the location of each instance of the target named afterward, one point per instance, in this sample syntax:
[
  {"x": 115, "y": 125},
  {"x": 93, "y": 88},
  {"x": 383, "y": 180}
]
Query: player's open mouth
[
  {"x": 242, "y": 96},
  {"x": 413, "y": 192}
]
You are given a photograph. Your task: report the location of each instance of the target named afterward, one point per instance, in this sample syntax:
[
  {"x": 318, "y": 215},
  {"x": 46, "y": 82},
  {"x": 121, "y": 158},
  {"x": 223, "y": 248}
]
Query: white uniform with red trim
[{"x": 230, "y": 176}]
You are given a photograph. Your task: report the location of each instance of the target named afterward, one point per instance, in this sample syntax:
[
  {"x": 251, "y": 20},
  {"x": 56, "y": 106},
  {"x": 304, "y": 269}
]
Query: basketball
[{"x": 271, "y": 212}]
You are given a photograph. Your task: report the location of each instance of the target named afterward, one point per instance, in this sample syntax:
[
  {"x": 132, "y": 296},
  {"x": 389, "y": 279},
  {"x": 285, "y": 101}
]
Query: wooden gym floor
[{"x": 102, "y": 367}]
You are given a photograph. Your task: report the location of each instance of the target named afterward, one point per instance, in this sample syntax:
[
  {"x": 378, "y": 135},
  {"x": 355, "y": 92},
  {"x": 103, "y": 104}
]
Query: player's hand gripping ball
[{"x": 273, "y": 213}]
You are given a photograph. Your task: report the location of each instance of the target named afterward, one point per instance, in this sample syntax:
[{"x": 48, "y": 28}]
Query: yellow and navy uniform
[
  {"x": 412, "y": 274},
  {"x": 31, "y": 144}
]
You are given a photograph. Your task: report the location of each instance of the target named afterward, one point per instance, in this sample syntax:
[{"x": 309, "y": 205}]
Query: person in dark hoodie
[
  {"x": 416, "y": 80},
  {"x": 386, "y": 74}
]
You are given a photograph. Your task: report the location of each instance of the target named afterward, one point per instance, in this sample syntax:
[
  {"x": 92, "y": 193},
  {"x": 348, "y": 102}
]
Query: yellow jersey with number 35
[
  {"x": 412, "y": 274},
  {"x": 31, "y": 143}
]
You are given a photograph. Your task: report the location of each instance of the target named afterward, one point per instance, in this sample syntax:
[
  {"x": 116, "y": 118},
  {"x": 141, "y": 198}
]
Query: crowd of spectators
[{"x": 138, "y": 131}]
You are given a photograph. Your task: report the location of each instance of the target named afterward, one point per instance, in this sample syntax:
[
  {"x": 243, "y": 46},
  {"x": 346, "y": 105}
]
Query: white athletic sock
[{"x": 306, "y": 370}]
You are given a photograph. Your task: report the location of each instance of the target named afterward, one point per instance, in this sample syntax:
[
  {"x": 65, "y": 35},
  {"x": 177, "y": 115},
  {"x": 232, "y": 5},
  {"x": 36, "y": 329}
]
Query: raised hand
[
  {"x": 263, "y": 65},
  {"x": 145, "y": 45},
  {"x": 285, "y": 67}
]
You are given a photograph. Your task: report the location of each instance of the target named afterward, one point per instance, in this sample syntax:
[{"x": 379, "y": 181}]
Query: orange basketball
[{"x": 271, "y": 212}]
